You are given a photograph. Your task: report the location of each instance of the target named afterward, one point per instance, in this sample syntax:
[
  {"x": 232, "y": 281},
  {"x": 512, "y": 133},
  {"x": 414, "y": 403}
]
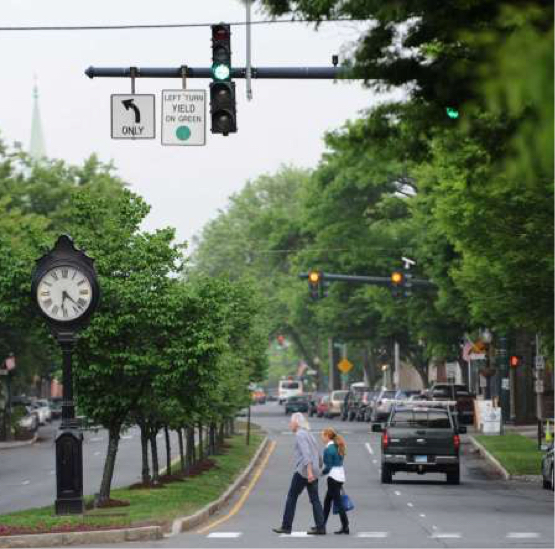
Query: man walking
[{"x": 308, "y": 462}]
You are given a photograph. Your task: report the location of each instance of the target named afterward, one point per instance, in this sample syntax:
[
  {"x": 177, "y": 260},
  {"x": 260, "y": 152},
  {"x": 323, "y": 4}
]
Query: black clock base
[
  {"x": 69, "y": 472},
  {"x": 71, "y": 506}
]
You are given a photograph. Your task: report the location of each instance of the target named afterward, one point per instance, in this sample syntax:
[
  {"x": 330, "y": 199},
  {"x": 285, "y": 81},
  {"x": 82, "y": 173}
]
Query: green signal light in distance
[
  {"x": 452, "y": 113},
  {"x": 221, "y": 72}
]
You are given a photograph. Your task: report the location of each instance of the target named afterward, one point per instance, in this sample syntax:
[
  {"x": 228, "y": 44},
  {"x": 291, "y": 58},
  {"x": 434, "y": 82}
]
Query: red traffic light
[{"x": 514, "y": 361}]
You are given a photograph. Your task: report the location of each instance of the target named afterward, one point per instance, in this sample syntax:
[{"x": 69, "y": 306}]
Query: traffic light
[
  {"x": 514, "y": 361},
  {"x": 407, "y": 284},
  {"x": 397, "y": 282},
  {"x": 452, "y": 112},
  {"x": 223, "y": 111},
  {"x": 315, "y": 284}
]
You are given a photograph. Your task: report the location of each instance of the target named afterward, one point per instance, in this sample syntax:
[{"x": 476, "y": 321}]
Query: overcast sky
[{"x": 185, "y": 186}]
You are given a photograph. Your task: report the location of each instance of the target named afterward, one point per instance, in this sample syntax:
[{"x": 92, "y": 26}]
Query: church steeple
[{"x": 37, "y": 148}]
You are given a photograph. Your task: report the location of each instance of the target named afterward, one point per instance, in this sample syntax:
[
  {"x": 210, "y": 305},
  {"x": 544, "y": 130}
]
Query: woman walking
[{"x": 334, "y": 455}]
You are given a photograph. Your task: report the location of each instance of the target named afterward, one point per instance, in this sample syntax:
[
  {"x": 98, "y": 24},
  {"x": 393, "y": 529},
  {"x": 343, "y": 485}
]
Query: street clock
[{"x": 65, "y": 287}]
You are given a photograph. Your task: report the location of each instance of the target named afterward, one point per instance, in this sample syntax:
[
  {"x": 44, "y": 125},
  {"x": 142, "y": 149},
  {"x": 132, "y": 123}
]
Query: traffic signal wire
[{"x": 173, "y": 25}]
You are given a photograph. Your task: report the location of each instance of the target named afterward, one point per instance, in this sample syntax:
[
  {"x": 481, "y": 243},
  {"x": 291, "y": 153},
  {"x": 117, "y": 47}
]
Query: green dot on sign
[{"x": 183, "y": 133}]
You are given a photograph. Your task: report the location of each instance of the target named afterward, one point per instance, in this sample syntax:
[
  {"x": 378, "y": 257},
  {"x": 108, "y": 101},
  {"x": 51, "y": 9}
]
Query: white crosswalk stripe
[
  {"x": 445, "y": 535},
  {"x": 225, "y": 535},
  {"x": 296, "y": 535},
  {"x": 372, "y": 534},
  {"x": 523, "y": 535}
]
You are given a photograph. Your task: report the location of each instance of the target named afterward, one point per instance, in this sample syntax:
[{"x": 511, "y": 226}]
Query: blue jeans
[{"x": 298, "y": 484}]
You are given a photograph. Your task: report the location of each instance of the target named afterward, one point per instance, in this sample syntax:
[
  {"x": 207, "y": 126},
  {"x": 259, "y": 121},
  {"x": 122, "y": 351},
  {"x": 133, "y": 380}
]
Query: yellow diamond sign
[{"x": 345, "y": 366}]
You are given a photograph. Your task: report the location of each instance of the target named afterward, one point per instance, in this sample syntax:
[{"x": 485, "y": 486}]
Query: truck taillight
[
  {"x": 385, "y": 439},
  {"x": 456, "y": 441}
]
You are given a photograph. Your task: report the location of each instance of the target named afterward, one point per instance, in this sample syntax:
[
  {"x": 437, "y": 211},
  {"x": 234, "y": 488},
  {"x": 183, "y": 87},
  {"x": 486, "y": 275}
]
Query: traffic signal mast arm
[
  {"x": 291, "y": 73},
  {"x": 374, "y": 280}
]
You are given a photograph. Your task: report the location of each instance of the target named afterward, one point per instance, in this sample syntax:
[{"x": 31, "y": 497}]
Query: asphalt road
[
  {"x": 28, "y": 476},
  {"x": 414, "y": 511}
]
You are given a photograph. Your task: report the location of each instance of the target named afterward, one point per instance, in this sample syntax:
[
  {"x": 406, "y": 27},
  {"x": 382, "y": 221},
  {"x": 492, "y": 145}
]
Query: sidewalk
[{"x": 18, "y": 443}]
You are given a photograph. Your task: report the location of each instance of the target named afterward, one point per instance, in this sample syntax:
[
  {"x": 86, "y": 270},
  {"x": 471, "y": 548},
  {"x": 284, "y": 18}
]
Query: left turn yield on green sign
[{"x": 133, "y": 116}]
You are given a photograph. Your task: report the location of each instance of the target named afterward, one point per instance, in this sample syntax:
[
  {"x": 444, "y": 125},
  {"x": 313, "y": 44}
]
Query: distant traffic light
[
  {"x": 452, "y": 113},
  {"x": 397, "y": 282},
  {"x": 514, "y": 361},
  {"x": 223, "y": 110},
  {"x": 315, "y": 284}
]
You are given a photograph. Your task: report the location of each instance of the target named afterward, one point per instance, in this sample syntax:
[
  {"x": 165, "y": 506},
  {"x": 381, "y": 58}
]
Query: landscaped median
[
  {"x": 154, "y": 507},
  {"x": 516, "y": 454}
]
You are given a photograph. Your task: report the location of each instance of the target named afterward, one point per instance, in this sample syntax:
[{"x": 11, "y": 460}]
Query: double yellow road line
[{"x": 236, "y": 508}]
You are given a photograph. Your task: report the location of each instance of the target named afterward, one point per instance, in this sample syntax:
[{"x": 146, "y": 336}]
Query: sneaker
[
  {"x": 317, "y": 532},
  {"x": 343, "y": 531},
  {"x": 281, "y": 530}
]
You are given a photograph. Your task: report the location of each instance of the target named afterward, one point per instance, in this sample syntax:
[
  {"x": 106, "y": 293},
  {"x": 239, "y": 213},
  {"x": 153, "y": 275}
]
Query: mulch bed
[{"x": 195, "y": 470}]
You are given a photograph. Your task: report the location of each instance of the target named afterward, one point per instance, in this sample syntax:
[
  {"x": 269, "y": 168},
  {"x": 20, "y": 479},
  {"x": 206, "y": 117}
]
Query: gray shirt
[{"x": 307, "y": 451}]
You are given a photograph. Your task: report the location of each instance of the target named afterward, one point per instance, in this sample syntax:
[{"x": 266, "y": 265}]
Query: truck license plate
[{"x": 421, "y": 459}]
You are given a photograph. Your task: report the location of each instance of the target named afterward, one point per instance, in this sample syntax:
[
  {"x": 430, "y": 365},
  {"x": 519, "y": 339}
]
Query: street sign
[
  {"x": 505, "y": 384},
  {"x": 184, "y": 117},
  {"x": 539, "y": 387},
  {"x": 477, "y": 356},
  {"x": 345, "y": 366},
  {"x": 540, "y": 362},
  {"x": 133, "y": 116}
]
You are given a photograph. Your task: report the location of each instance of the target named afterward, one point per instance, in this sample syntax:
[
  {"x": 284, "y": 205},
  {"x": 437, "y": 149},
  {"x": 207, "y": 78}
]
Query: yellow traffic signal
[
  {"x": 314, "y": 277},
  {"x": 396, "y": 277}
]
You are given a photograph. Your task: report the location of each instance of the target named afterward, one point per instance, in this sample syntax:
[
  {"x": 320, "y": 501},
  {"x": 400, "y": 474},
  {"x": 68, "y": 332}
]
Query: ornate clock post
[{"x": 65, "y": 288}]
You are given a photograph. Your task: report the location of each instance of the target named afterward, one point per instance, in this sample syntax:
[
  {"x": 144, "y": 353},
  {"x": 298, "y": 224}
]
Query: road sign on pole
[
  {"x": 132, "y": 116},
  {"x": 345, "y": 366},
  {"x": 184, "y": 117}
]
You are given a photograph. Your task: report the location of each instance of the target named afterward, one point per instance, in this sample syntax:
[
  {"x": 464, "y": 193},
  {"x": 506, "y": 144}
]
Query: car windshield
[
  {"x": 290, "y": 385},
  {"x": 338, "y": 395},
  {"x": 297, "y": 399},
  {"x": 388, "y": 394},
  {"x": 426, "y": 418}
]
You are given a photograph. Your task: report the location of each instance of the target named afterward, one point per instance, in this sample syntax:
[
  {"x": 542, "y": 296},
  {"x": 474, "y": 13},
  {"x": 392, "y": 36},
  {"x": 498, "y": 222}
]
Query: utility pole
[{"x": 396, "y": 364}]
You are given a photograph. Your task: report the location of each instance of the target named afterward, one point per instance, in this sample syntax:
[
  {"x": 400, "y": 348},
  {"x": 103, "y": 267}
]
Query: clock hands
[{"x": 66, "y": 295}]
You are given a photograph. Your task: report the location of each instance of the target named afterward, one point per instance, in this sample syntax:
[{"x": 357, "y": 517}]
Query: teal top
[{"x": 331, "y": 458}]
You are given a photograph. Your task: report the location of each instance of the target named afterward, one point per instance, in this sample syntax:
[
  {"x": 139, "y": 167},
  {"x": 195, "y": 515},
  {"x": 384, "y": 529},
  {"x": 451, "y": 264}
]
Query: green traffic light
[
  {"x": 452, "y": 113},
  {"x": 221, "y": 71}
]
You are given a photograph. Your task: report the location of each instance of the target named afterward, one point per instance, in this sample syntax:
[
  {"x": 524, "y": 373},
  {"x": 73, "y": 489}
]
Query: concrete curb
[
  {"x": 19, "y": 444},
  {"x": 183, "y": 524},
  {"x": 483, "y": 452},
  {"x": 144, "y": 533},
  {"x": 495, "y": 463}
]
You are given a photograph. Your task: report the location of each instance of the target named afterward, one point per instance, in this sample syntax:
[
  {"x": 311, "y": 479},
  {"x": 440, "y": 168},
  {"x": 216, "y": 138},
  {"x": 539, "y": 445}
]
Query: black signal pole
[{"x": 276, "y": 73}]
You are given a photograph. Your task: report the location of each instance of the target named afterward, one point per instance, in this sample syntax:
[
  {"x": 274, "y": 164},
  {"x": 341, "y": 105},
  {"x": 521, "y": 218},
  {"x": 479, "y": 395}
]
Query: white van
[{"x": 287, "y": 388}]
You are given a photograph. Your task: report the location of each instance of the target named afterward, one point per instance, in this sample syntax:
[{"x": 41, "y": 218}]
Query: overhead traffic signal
[
  {"x": 514, "y": 361},
  {"x": 316, "y": 284},
  {"x": 397, "y": 281},
  {"x": 223, "y": 111}
]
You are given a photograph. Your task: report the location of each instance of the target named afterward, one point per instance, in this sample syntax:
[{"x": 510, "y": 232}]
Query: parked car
[
  {"x": 313, "y": 400},
  {"x": 337, "y": 398},
  {"x": 43, "y": 409},
  {"x": 296, "y": 404},
  {"x": 28, "y": 421},
  {"x": 460, "y": 394},
  {"x": 420, "y": 438},
  {"x": 323, "y": 406},
  {"x": 56, "y": 407},
  {"x": 382, "y": 406},
  {"x": 259, "y": 396},
  {"x": 547, "y": 469}
]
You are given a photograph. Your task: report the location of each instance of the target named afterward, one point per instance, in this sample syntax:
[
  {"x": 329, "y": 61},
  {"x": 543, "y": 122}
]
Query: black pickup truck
[{"x": 420, "y": 437}]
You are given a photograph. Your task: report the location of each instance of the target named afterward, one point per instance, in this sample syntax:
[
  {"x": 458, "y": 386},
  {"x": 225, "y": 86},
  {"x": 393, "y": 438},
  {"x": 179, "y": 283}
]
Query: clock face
[{"x": 64, "y": 293}]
